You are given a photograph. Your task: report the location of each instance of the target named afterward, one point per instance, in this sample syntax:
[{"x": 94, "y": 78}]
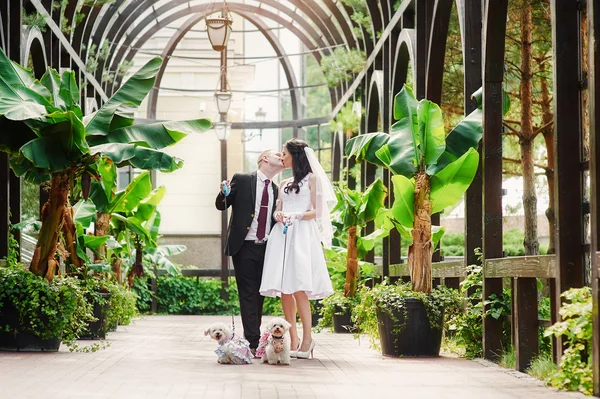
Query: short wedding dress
[{"x": 295, "y": 261}]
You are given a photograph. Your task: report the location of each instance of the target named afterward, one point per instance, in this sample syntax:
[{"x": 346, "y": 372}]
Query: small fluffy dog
[
  {"x": 276, "y": 342},
  {"x": 232, "y": 349}
]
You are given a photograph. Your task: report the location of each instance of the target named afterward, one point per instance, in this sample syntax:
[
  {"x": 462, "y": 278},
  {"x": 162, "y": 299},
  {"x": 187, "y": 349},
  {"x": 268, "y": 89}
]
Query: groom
[{"x": 252, "y": 198}]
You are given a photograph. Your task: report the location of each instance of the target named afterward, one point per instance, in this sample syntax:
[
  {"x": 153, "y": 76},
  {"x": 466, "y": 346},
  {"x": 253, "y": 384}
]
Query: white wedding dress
[{"x": 302, "y": 267}]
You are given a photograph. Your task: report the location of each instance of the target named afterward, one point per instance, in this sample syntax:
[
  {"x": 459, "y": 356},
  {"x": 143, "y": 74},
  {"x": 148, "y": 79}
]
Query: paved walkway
[{"x": 169, "y": 357}]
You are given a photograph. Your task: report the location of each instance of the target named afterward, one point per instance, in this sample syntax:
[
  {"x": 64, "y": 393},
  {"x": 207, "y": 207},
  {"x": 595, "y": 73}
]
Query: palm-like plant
[
  {"x": 356, "y": 209},
  {"x": 431, "y": 171},
  {"x": 48, "y": 139}
]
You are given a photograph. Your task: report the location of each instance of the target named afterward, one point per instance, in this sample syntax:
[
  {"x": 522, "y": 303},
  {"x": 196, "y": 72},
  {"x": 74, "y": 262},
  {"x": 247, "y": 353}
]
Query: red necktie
[{"x": 264, "y": 210}]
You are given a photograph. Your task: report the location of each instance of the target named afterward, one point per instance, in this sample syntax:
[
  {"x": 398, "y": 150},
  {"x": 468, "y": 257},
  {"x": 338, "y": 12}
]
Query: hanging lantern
[{"x": 219, "y": 28}]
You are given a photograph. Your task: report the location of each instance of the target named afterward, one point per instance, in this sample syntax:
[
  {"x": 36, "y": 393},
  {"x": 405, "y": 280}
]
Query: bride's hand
[{"x": 279, "y": 217}]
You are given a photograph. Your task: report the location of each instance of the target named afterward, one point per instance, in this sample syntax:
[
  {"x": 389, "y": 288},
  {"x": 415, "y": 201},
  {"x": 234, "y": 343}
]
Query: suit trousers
[{"x": 248, "y": 265}]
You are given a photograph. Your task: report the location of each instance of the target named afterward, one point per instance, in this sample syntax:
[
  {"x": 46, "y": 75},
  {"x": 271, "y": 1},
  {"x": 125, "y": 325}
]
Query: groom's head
[{"x": 269, "y": 162}]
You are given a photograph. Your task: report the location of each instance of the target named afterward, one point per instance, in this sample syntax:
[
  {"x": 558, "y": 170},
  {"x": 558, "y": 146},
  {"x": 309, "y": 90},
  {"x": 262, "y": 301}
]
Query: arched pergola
[{"x": 413, "y": 33}]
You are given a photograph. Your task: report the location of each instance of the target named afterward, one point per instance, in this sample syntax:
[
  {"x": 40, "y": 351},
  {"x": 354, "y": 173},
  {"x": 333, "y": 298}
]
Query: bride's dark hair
[{"x": 300, "y": 165}]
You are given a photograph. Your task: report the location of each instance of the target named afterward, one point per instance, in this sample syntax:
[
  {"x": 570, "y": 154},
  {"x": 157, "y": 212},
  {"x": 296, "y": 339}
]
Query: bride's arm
[
  {"x": 312, "y": 183},
  {"x": 278, "y": 215}
]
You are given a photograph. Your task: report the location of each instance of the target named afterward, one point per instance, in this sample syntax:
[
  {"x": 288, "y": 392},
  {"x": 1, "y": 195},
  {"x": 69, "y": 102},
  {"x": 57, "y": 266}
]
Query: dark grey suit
[{"x": 248, "y": 257}]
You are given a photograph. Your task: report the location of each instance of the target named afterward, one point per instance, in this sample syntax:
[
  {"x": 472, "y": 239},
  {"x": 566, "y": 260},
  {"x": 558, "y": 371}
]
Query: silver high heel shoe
[{"x": 305, "y": 355}]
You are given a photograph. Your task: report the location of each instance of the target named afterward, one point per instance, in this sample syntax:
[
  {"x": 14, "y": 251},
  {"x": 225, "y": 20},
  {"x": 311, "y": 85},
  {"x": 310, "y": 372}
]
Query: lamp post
[{"x": 218, "y": 29}]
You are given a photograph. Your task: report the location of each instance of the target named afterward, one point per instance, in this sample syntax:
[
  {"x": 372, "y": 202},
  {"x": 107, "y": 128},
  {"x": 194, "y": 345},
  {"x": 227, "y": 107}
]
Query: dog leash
[
  {"x": 285, "y": 228},
  {"x": 226, "y": 192}
]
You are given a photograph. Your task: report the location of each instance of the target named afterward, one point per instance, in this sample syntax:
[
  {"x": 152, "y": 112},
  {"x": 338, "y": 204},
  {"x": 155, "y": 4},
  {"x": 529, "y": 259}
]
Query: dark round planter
[
  {"x": 409, "y": 333},
  {"x": 27, "y": 342},
  {"x": 97, "y": 329},
  {"x": 22, "y": 341},
  {"x": 316, "y": 315},
  {"x": 342, "y": 322}
]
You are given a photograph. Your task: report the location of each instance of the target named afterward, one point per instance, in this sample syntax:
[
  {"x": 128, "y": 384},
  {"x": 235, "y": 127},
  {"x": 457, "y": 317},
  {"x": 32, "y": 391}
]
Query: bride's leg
[
  {"x": 289, "y": 310},
  {"x": 305, "y": 317}
]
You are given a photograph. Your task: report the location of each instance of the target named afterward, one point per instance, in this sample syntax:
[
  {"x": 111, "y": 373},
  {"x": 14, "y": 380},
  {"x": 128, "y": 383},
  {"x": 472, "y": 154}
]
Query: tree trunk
[
  {"x": 70, "y": 236},
  {"x": 116, "y": 268},
  {"x": 548, "y": 133},
  {"x": 421, "y": 250},
  {"x": 351, "y": 263},
  {"x": 101, "y": 228},
  {"x": 527, "y": 137},
  {"x": 138, "y": 266},
  {"x": 43, "y": 262}
]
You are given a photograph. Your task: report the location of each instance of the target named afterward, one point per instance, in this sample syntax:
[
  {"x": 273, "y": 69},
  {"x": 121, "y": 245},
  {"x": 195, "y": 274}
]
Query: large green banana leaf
[
  {"x": 156, "y": 135},
  {"x": 366, "y": 145},
  {"x": 404, "y": 200},
  {"x": 449, "y": 184},
  {"x": 357, "y": 208},
  {"x": 128, "y": 200},
  {"x": 129, "y": 96}
]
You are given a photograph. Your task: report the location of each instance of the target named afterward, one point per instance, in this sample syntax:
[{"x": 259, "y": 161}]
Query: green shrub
[
  {"x": 575, "y": 368},
  {"x": 192, "y": 296},
  {"x": 121, "y": 306},
  {"x": 47, "y": 309}
]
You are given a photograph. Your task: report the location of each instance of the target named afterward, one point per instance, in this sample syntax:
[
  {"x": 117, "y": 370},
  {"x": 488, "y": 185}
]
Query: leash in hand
[
  {"x": 226, "y": 191},
  {"x": 285, "y": 229}
]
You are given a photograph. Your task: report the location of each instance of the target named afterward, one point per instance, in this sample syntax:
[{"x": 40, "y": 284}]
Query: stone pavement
[{"x": 169, "y": 357}]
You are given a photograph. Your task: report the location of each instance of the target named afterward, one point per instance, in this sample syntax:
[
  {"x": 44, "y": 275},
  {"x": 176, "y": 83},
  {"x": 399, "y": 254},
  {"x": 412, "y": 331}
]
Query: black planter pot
[
  {"x": 409, "y": 332},
  {"x": 97, "y": 329},
  {"x": 316, "y": 315},
  {"x": 27, "y": 342},
  {"x": 342, "y": 322},
  {"x": 23, "y": 341}
]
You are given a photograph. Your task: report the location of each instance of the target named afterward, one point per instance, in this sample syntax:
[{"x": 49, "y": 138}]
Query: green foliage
[
  {"x": 543, "y": 367},
  {"x": 47, "y": 309},
  {"x": 336, "y": 304},
  {"x": 575, "y": 368},
  {"x": 191, "y": 296},
  {"x": 34, "y": 19},
  {"x": 508, "y": 358},
  {"x": 512, "y": 243},
  {"x": 121, "y": 306},
  {"x": 390, "y": 298},
  {"x": 342, "y": 64}
]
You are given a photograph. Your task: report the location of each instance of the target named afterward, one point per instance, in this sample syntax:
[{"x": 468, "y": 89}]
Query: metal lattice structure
[{"x": 405, "y": 35}]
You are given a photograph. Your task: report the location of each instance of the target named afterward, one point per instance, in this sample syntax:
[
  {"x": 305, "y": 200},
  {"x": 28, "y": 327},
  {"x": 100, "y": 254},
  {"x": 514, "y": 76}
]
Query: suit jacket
[{"x": 242, "y": 200}]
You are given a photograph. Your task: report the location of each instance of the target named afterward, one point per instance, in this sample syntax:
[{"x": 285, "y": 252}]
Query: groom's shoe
[{"x": 253, "y": 351}]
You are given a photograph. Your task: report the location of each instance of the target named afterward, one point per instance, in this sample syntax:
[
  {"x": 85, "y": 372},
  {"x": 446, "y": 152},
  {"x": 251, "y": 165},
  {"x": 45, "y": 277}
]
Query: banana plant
[
  {"x": 47, "y": 138},
  {"x": 431, "y": 171},
  {"x": 356, "y": 210}
]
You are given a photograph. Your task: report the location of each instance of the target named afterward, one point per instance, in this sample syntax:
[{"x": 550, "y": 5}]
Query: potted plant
[
  {"x": 431, "y": 171},
  {"x": 49, "y": 139}
]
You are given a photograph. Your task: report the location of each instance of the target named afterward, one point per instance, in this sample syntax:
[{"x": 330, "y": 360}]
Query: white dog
[
  {"x": 232, "y": 349},
  {"x": 276, "y": 342}
]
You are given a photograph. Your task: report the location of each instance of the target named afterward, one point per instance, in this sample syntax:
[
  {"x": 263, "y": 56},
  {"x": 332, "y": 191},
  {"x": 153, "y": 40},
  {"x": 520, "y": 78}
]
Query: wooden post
[
  {"x": 593, "y": 25},
  {"x": 568, "y": 147},
  {"x": 493, "y": 66}
]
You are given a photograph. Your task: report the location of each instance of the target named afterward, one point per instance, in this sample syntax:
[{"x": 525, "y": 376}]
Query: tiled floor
[{"x": 169, "y": 357}]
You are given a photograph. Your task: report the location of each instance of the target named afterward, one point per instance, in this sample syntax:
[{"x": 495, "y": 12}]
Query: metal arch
[
  {"x": 405, "y": 53},
  {"x": 375, "y": 92},
  {"x": 233, "y": 7},
  {"x": 367, "y": 40},
  {"x": 343, "y": 21},
  {"x": 437, "y": 50},
  {"x": 33, "y": 44},
  {"x": 2, "y": 41},
  {"x": 287, "y": 67},
  {"x": 168, "y": 7}
]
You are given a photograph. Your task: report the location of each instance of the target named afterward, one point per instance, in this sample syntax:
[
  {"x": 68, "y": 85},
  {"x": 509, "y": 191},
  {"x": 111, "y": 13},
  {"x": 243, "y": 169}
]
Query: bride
[{"x": 294, "y": 264}]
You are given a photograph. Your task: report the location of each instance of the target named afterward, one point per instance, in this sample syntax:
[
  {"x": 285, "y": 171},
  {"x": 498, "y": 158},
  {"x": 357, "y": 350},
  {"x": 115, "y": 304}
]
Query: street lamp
[
  {"x": 259, "y": 116},
  {"x": 219, "y": 28}
]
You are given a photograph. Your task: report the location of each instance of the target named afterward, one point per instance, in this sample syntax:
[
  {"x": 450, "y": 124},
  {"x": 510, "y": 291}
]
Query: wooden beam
[
  {"x": 566, "y": 56},
  {"x": 542, "y": 266},
  {"x": 445, "y": 269},
  {"x": 493, "y": 67},
  {"x": 593, "y": 26}
]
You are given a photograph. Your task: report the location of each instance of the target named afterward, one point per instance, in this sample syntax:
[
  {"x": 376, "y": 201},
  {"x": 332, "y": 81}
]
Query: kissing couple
[{"x": 276, "y": 237}]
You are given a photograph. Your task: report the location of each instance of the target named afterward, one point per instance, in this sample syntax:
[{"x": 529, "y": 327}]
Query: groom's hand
[{"x": 221, "y": 186}]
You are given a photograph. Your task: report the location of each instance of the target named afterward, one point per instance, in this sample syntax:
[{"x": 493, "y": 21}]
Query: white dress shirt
[{"x": 260, "y": 186}]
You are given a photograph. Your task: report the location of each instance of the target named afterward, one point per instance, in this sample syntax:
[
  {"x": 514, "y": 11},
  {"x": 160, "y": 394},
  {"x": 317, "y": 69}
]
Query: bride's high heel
[
  {"x": 305, "y": 355},
  {"x": 295, "y": 352}
]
